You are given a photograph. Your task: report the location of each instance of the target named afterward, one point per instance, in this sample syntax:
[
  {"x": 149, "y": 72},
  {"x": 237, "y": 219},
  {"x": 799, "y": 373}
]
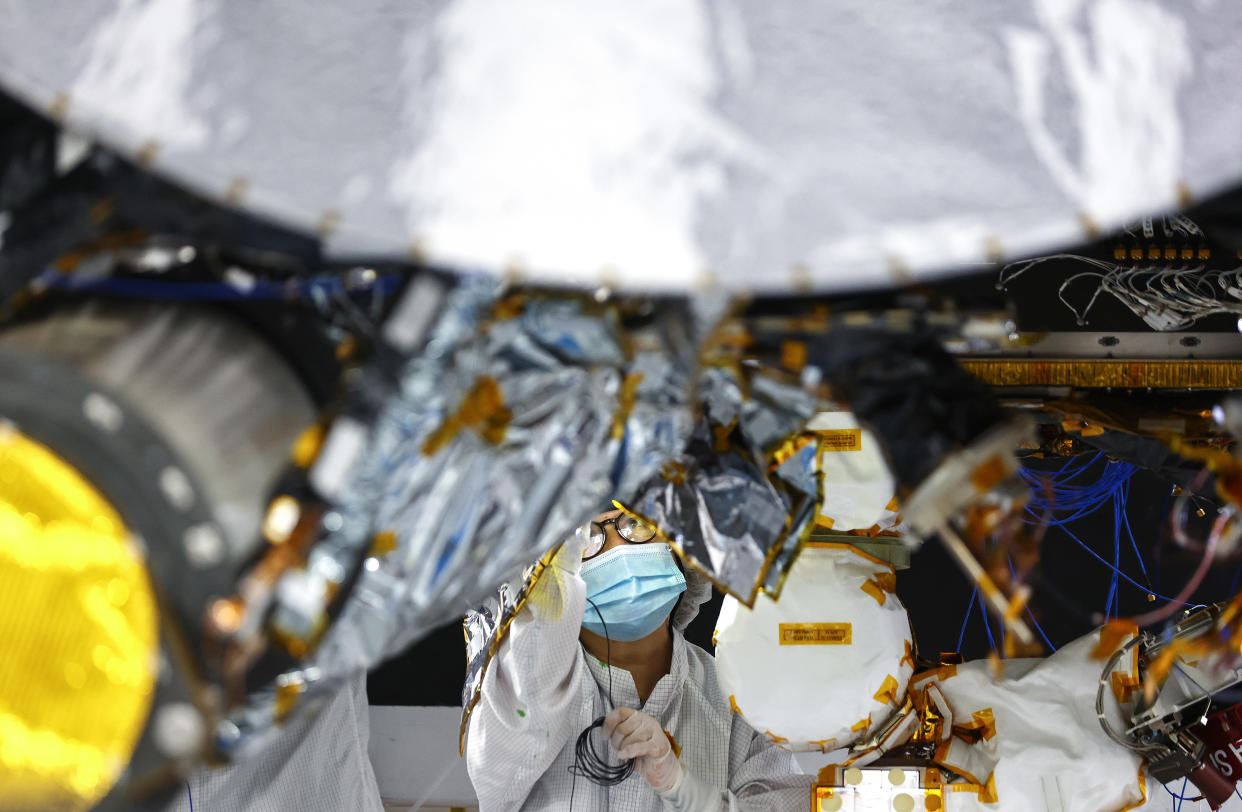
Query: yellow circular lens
[{"x": 79, "y": 625}]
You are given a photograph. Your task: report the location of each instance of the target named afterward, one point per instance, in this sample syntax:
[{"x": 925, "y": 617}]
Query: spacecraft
[{"x": 319, "y": 336}]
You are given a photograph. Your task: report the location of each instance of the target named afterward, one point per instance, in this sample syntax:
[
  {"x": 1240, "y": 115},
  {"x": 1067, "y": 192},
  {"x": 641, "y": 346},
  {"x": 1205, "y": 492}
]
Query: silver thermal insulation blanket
[{"x": 659, "y": 144}]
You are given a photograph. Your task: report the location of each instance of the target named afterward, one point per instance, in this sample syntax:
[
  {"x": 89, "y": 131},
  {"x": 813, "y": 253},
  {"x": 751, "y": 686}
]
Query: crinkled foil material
[
  {"x": 498, "y": 445},
  {"x": 801, "y": 470},
  {"x": 719, "y": 509},
  {"x": 726, "y": 502},
  {"x": 518, "y": 418},
  {"x": 750, "y": 137}
]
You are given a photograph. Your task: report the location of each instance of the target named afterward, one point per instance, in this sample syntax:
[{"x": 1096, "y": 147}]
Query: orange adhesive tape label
[
  {"x": 840, "y": 440},
  {"x": 816, "y": 634}
]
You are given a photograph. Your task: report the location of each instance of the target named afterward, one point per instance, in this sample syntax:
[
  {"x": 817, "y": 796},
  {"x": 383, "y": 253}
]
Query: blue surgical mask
[{"x": 634, "y": 587}]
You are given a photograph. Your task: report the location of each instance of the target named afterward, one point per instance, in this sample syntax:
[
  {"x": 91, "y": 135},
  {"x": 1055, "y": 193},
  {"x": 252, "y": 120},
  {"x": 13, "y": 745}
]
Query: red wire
[{"x": 1157, "y": 615}]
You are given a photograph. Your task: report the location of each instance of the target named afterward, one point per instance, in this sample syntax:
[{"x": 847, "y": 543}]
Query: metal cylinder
[
  {"x": 1216, "y": 789},
  {"x": 221, "y": 397}
]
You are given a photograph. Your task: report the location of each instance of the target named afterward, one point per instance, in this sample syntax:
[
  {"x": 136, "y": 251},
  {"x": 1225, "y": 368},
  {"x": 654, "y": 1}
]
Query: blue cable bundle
[
  {"x": 1063, "y": 496},
  {"x": 1063, "y": 491}
]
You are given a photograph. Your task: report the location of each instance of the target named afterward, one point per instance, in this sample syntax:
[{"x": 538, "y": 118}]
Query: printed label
[
  {"x": 816, "y": 634},
  {"x": 840, "y": 440}
]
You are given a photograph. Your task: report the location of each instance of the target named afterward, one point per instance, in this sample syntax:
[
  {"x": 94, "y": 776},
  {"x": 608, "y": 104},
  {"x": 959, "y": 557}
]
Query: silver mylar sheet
[
  {"x": 801, "y": 471},
  {"x": 659, "y": 144},
  {"x": 473, "y": 512},
  {"x": 723, "y": 501}
]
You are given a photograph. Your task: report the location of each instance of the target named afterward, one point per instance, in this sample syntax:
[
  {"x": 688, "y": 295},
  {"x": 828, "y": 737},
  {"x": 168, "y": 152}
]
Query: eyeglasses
[{"x": 628, "y": 528}]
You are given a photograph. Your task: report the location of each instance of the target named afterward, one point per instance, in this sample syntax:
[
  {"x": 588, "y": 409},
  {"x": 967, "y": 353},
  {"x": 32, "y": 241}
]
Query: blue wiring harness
[
  {"x": 1065, "y": 495},
  {"x": 1065, "y": 492},
  {"x": 1062, "y": 497},
  {"x": 162, "y": 290}
]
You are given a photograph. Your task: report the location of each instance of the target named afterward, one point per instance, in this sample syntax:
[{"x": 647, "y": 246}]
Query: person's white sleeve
[
  {"x": 763, "y": 777},
  {"x": 530, "y": 704},
  {"x": 690, "y": 794}
]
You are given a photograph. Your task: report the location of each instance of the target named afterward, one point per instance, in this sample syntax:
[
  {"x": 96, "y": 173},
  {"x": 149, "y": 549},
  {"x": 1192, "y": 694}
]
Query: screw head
[
  {"x": 178, "y": 729},
  {"x": 203, "y": 545}
]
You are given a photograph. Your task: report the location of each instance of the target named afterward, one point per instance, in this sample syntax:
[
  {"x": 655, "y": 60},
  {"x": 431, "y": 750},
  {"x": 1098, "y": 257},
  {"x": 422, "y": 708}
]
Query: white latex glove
[
  {"x": 559, "y": 585},
  {"x": 637, "y": 735},
  {"x": 569, "y": 556}
]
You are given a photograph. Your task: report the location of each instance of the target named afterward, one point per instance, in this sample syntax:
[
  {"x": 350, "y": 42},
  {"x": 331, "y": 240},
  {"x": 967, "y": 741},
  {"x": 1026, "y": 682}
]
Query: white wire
[
  {"x": 1165, "y": 298},
  {"x": 1007, "y": 276}
]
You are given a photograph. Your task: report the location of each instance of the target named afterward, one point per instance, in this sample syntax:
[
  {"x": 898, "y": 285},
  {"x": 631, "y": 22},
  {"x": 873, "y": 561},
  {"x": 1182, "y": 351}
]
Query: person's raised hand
[
  {"x": 637, "y": 735},
  {"x": 569, "y": 556}
]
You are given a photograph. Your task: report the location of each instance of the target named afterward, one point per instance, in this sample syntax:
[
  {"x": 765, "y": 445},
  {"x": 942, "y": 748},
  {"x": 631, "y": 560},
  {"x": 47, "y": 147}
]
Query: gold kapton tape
[
  {"x": 793, "y": 355},
  {"x": 986, "y": 791},
  {"x": 1112, "y": 635},
  {"x": 876, "y": 591},
  {"x": 988, "y": 474},
  {"x": 1125, "y": 685},
  {"x": 982, "y": 725},
  {"x": 816, "y": 634},
  {"x": 775, "y": 739},
  {"x": 672, "y": 742},
  {"x": 888, "y": 691},
  {"x": 940, "y": 673},
  {"x": 287, "y": 696},
  {"x": 1093, "y": 373},
  {"x": 1082, "y": 427}
]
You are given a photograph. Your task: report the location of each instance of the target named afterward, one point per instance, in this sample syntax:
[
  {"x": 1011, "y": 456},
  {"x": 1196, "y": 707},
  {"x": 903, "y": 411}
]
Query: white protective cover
[
  {"x": 820, "y": 696},
  {"x": 659, "y": 144},
  {"x": 1047, "y": 751},
  {"x": 858, "y": 488}
]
